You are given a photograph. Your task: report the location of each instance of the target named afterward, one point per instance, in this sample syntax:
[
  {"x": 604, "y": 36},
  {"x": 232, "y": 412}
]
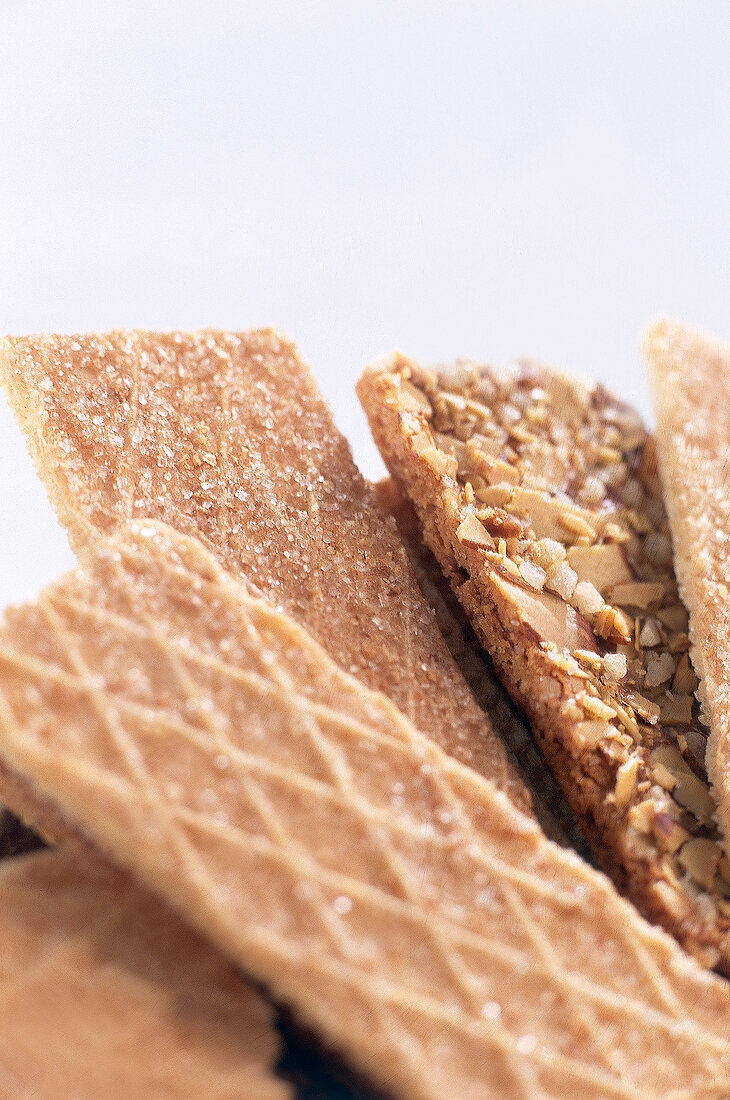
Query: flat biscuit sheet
[
  {"x": 420, "y": 925},
  {"x": 225, "y": 436},
  {"x": 104, "y": 992}
]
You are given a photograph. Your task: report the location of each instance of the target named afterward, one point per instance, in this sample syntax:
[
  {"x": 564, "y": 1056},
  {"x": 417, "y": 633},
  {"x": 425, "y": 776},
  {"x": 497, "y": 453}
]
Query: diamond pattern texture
[
  {"x": 104, "y": 992},
  {"x": 225, "y": 437},
  {"x": 396, "y": 900}
]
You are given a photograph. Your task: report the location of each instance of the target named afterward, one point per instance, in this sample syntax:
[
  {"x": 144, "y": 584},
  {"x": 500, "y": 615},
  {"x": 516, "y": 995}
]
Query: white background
[{"x": 490, "y": 179}]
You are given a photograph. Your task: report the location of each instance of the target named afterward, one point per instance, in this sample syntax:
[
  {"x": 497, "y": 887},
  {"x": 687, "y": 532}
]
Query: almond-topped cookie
[
  {"x": 549, "y": 805},
  {"x": 540, "y": 497}
]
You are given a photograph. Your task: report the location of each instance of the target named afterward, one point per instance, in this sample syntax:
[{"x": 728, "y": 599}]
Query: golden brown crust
[
  {"x": 226, "y": 437},
  {"x": 529, "y": 488},
  {"x": 105, "y": 992},
  {"x": 690, "y": 375},
  {"x": 403, "y": 907}
]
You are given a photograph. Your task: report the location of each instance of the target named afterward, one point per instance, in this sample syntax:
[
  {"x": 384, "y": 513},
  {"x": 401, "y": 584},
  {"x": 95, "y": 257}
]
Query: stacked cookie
[{"x": 242, "y": 703}]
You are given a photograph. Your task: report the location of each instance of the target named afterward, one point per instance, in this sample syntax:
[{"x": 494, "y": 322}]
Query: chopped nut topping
[
  {"x": 659, "y": 669},
  {"x": 563, "y": 581},
  {"x": 562, "y": 495},
  {"x": 685, "y": 680},
  {"x": 626, "y": 778},
  {"x": 650, "y": 634},
  {"x": 587, "y": 599},
  {"x": 670, "y": 835},
  {"x": 603, "y": 564},
  {"x": 700, "y": 857},
  {"x": 636, "y": 594},
  {"x": 472, "y": 531},
  {"x": 614, "y": 666},
  {"x": 677, "y": 710},
  {"x": 533, "y": 574},
  {"x": 664, "y": 777},
  {"x": 413, "y": 399},
  {"x": 442, "y": 464},
  {"x": 644, "y": 707},
  {"x": 613, "y": 625},
  {"x": 692, "y": 793}
]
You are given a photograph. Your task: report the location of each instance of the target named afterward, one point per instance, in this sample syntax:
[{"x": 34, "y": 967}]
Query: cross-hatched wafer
[
  {"x": 690, "y": 375},
  {"x": 104, "y": 992},
  {"x": 226, "y": 437},
  {"x": 393, "y": 898},
  {"x": 540, "y": 497}
]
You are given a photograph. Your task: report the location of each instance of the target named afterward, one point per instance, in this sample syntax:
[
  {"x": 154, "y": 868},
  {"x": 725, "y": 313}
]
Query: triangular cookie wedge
[
  {"x": 540, "y": 497},
  {"x": 394, "y": 899},
  {"x": 104, "y": 992},
  {"x": 690, "y": 375},
  {"x": 226, "y": 437}
]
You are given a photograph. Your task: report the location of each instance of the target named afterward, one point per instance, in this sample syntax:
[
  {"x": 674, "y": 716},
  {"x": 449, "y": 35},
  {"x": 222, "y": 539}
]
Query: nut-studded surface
[
  {"x": 691, "y": 382},
  {"x": 540, "y": 497},
  {"x": 225, "y": 437},
  {"x": 104, "y": 992},
  {"x": 549, "y": 805},
  {"x": 399, "y": 903}
]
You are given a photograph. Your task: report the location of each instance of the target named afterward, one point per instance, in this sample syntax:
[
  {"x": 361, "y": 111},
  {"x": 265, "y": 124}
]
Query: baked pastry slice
[
  {"x": 399, "y": 903},
  {"x": 690, "y": 375},
  {"x": 105, "y": 992},
  {"x": 540, "y": 497},
  {"x": 226, "y": 437}
]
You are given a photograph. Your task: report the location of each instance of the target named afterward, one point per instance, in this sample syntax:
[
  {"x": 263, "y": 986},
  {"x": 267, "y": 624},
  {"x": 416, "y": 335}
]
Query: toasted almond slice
[
  {"x": 671, "y": 758},
  {"x": 604, "y": 565},
  {"x": 391, "y": 897},
  {"x": 695, "y": 796},
  {"x": 700, "y": 857},
  {"x": 684, "y": 680},
  {"x": 645, "y": 708},
  {"x": 443, "y": 464},
  {"x": 669, "y": 833},
  {"x": 414, "y": 400},
  {"x": 549, "y": 619},
  {"x": 472, "y": 531},
  {"x": 626, "y": 779},
  {"x": 677, "y": 710},
  {"x": 636, "y": 594}
]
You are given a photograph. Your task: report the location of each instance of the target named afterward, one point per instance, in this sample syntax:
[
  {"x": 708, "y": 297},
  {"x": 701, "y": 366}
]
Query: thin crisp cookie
[
  {"x": 540, "y": 497},
  {"x": 394, "y": 899},
  {"x": 104, "y": 992},
  {"x": 225, "y": 437},
  {"x": 690, "y": 375}
]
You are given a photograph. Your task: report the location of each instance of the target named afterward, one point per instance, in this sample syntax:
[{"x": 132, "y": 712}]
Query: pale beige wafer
[
  {"x": 104, "y": 992},
  {"x": 393, "y": 898},
  {"x": 690, "y": 375},
  {"x": 226, "y": 437},
  {"x": 550, "y": 807},
  {"x": 540, "y": 497}
]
